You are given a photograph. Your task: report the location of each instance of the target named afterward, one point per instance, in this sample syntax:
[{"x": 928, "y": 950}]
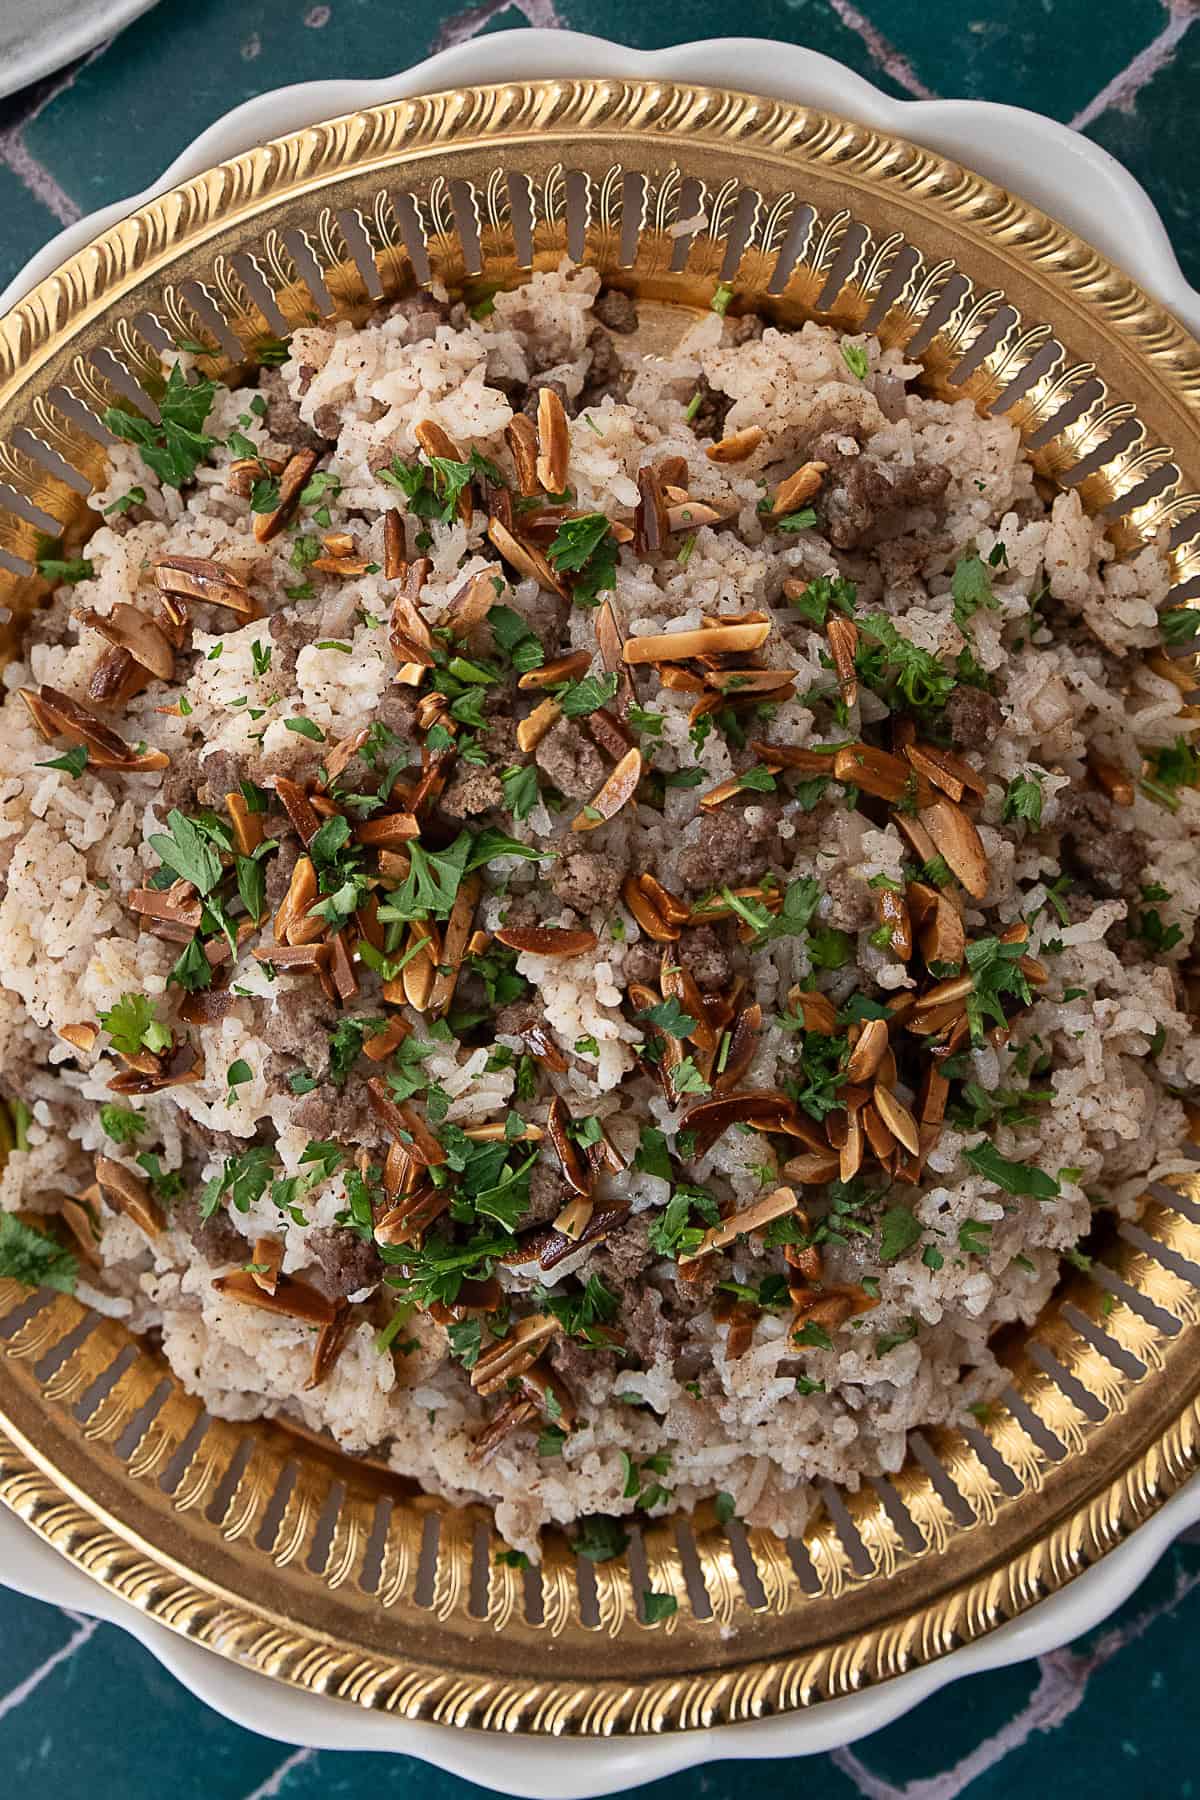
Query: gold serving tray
[{"x": 327, "y": 1572}]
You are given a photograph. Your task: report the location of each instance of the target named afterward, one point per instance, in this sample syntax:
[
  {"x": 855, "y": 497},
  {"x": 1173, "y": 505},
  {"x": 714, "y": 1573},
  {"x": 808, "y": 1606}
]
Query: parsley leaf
[
  {"x": 899, "y": 1231},
  {"x": 175, "y": 447},
  {"x": 856, "y": 360},
  {"x": 73, "y": 762},
  {"x": 587, "y": 549},
  {"x": 600, "y": 1539},
  {"x": 669, "y": 1016},
  {"x": 188, "y": 852},
  {"x": 1013, "y": 1177},
  {"x": 586, "y": 696},
  {"x": 33, "y": 1259},
  {"x": 133, "y": 1024},
  {"x": 822, "y": 593},
  {"x": 1023, "y": 799},
  {"x": 122, "y": 1124},
  {"x": 520, "y": 787},
  {"x": 971, "y": 589}
]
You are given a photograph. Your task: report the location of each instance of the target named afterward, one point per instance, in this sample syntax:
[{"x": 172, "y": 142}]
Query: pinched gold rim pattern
[{"x": 330, "y": 1574}]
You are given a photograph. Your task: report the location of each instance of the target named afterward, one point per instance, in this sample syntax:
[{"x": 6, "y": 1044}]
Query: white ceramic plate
[
  {"x": 38, "y": 36},
  {"x": 1085, "y": 188}
]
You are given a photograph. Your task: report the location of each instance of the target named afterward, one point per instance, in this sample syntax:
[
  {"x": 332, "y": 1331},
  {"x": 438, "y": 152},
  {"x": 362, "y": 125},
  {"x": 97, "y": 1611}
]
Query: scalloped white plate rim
[{"x": 1074, "y": 181}]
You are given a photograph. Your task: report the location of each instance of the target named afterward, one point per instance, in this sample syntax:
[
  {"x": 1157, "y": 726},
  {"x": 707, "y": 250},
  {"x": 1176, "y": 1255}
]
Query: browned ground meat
[
  {"x": 972, "y": 718},
  {"x": 182, "y": 780},
  {"x": 706, "y": 958},
  {"x": 606, "y": 375},
  {"x": 623, "y": 1255},
  {"x": 708, "y": 421},
  {"x": 398, "y": 711},
  {"x": 1094, "y": 849},
  {"x": 571, "y": 761},
  {"x": 347, "y": 1261},
  {"x": 547, "y": 1195},
  {"x": 859, "y": 494},
  {"x": 283, "y": 419},
  {"x": 587, "y": 879},
  {"x": 580, "y": 1363},
  {"x": 746, "y": 330},
  {"x": 546, "y": 616},
  {"x": 518, "y": 1017},
  {"x": 729, "y": 846},
  {"x": 471, "y": 791},
  {"x": 616, "y": 310},
  {"x": 217, "y": 1239},
  {"x": 289, "y": 632},
  {"x": 643, "y": 962},
  {"x": 279, "y": 870},
  {"x": 499, "y": 739},
  {"x": 300, "y": 1022}
]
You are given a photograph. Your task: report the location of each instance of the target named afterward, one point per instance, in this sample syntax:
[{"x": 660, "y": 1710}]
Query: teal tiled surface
[{"x": 85, "y": 1712}]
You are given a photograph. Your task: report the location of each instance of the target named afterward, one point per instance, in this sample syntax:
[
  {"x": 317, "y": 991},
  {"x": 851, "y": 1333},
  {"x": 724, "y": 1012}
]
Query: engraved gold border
[{"x": 324, "y": 1572}]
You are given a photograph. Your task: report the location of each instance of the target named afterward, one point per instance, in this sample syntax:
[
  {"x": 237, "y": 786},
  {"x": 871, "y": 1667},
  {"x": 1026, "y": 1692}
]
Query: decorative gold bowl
[{"x": 327, "y": 1572}]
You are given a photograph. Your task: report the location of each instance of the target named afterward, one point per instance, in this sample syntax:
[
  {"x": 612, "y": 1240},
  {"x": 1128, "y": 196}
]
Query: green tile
[
  {"x": 1149, "y": 137},
  {"x": 109, "y": 1721},
  {"x": 1052, "y": 58},
  {"x": 25, "y": 224},
  {"x": 947, "y": 1727},
  {"x": 30, "y": 1634}
]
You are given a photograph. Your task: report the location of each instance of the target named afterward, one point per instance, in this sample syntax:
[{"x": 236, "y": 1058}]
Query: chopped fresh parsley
[
  {"x": 899, "y": 1230},
  {"x": 669, "y": 1016},
  {"x": 76, "y": 570},
  {"x": 73, "y": 762},
  {"x": 1013, "y": 1177},
  {"x": 900, "y": 672},
  {"x": 133, "y": 1024},
  {"x": 177, "y": 445},
  {"x": 823, "y": 592},
  {"x": 122, "y": 1124},
  {"x": 971, "y": 589},
  {"x": 856, "y": 360},
  {"x": 1023, "y": 799},
  {"x": 657, "y": 1607},
  {"x": 600, "y": 1539},
  {"x": 520, "y": 786},
  {"x": 586, "y": 696},
  {"x": 33, "y": 1259},
  {"x": 586, "y": 549},
  {"x": 187, "y": 850}
]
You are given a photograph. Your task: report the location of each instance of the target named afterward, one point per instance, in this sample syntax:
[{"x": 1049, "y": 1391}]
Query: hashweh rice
[{"x": 930, "y": 955}]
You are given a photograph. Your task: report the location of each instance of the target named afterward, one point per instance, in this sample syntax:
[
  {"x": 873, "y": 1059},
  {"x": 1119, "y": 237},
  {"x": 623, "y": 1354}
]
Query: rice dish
[{"x": 593, "y": 899}]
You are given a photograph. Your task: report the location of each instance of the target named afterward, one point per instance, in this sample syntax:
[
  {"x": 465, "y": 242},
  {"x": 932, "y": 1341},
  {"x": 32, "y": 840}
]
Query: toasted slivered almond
[
  {"x": 817, "y": 1011},
  {"x": 675, "y": 982},
  {"x": 922, "y": 901},
  {"x": 575, "y": 1216},
  {"x": 959, "y": 843},
  {"x": 608, "y": 732},
  {"x": 1180, "y": 672},
  {"x": 1034, "y": 971},
  {"x": 953, "y": 774},
  {"x": 57, "y": 714},
  {"x": 650, "y": 522},
  {"x": 894, "y": 914},
  {"x": 1116, "y": 783},
  {"x": 83, "y": 1036},
  {"x": 843, "y": 642},
  {"x": 674, "y": 910},
  {"x": 525, "y": 558},
  {"x": 511, "y": 1416},
  {"x": 692, "y": 514},
  {"x": 609, "y": 640},
  {"x": 739, "y": 687},
  {"x": 420, "y": 971},
  {"x": 791, "y": 756},
  {"x": 795, "y": 489},
  {"x": 292, "y": 481},
  {"x": 338, "y": 543},
  {"x": 478, "y": 942},
  {"x": 393, "y": 545},
  {"x": 897, "y": 1118},
  {"x": 341, "y": 968},
  {"x": 199, "y": 578},
  {"x": 647, "y": 914},
  {"x": 178, "y": 903},
  {"x": 725, "y": 790},
  {"x": 852, "y": 1148},
  {"x": 454, "y": 944},
  {"x": 126, "y": 628},
  {"x": 543, "y": 718},
  {"x": 946, "y": 993},
  {"x": 709, "y": 1119},
  {"x": 553, "y": 441},
  {"x": 408, "y": 633},
  {"x": 380, "y": 1044},
  {"x": 293, "y": 914},
  {"x": 268, "y": 1262},
  {"x": 513, "y": 1355},
  {"x": 919, "y": 840},
  {"x": 776, "y": 1205},
  {"x": 719, "y": 639},
  {"x": 942, "y": 938},
  {"x": 343, "y": 566},
  {"x": 522, "y": 439},
  {"x": 562, "y": 668},
  {"x": 832, "y": 1305},
  {"x": 880, "y": 773},
  {"x": 116, "y": 678},
  {"x": 934, "y": 1092},
  {"x": 713, "y": 908},
  {"x": 496, "y": 1132},
  {"x": 294, "y": 959},
  {"x": 130, "y": 1194},
  {"x": 331, "y": 1341},
  {"x": 868, "y": 1051},
  {"x": 547, "y": 940},
  {"x": 934, "y": 1020},
  {"x": 679, "y": 681},
  {"x": 879, "y": 1138},
  {"x": 737, "y": 446},
  {"x": 79, "y": 1216},
  {"x": 739, "y": 1052},
  {"x": 1016, "y": 933},
  {"x": 298, "y": 807},
  {"x": 247, "y": 825},
  {"x": 620, "y": 788},
  {"x": 389, "y": 830},
  {"x": 291, "y": 1299}
]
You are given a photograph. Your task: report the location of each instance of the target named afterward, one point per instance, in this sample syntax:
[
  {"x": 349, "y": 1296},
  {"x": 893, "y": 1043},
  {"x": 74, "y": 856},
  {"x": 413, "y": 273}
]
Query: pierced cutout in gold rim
[{"x": 328, "y": 1573}]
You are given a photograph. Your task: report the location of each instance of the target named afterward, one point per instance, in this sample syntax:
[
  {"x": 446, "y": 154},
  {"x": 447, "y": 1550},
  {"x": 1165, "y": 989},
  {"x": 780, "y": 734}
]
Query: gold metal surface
[{"x": 326, "y": 1572}]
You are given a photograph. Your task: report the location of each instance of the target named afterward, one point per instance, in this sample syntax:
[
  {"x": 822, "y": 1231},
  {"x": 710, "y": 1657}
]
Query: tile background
[{"x": 1115, "y": 1712}]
